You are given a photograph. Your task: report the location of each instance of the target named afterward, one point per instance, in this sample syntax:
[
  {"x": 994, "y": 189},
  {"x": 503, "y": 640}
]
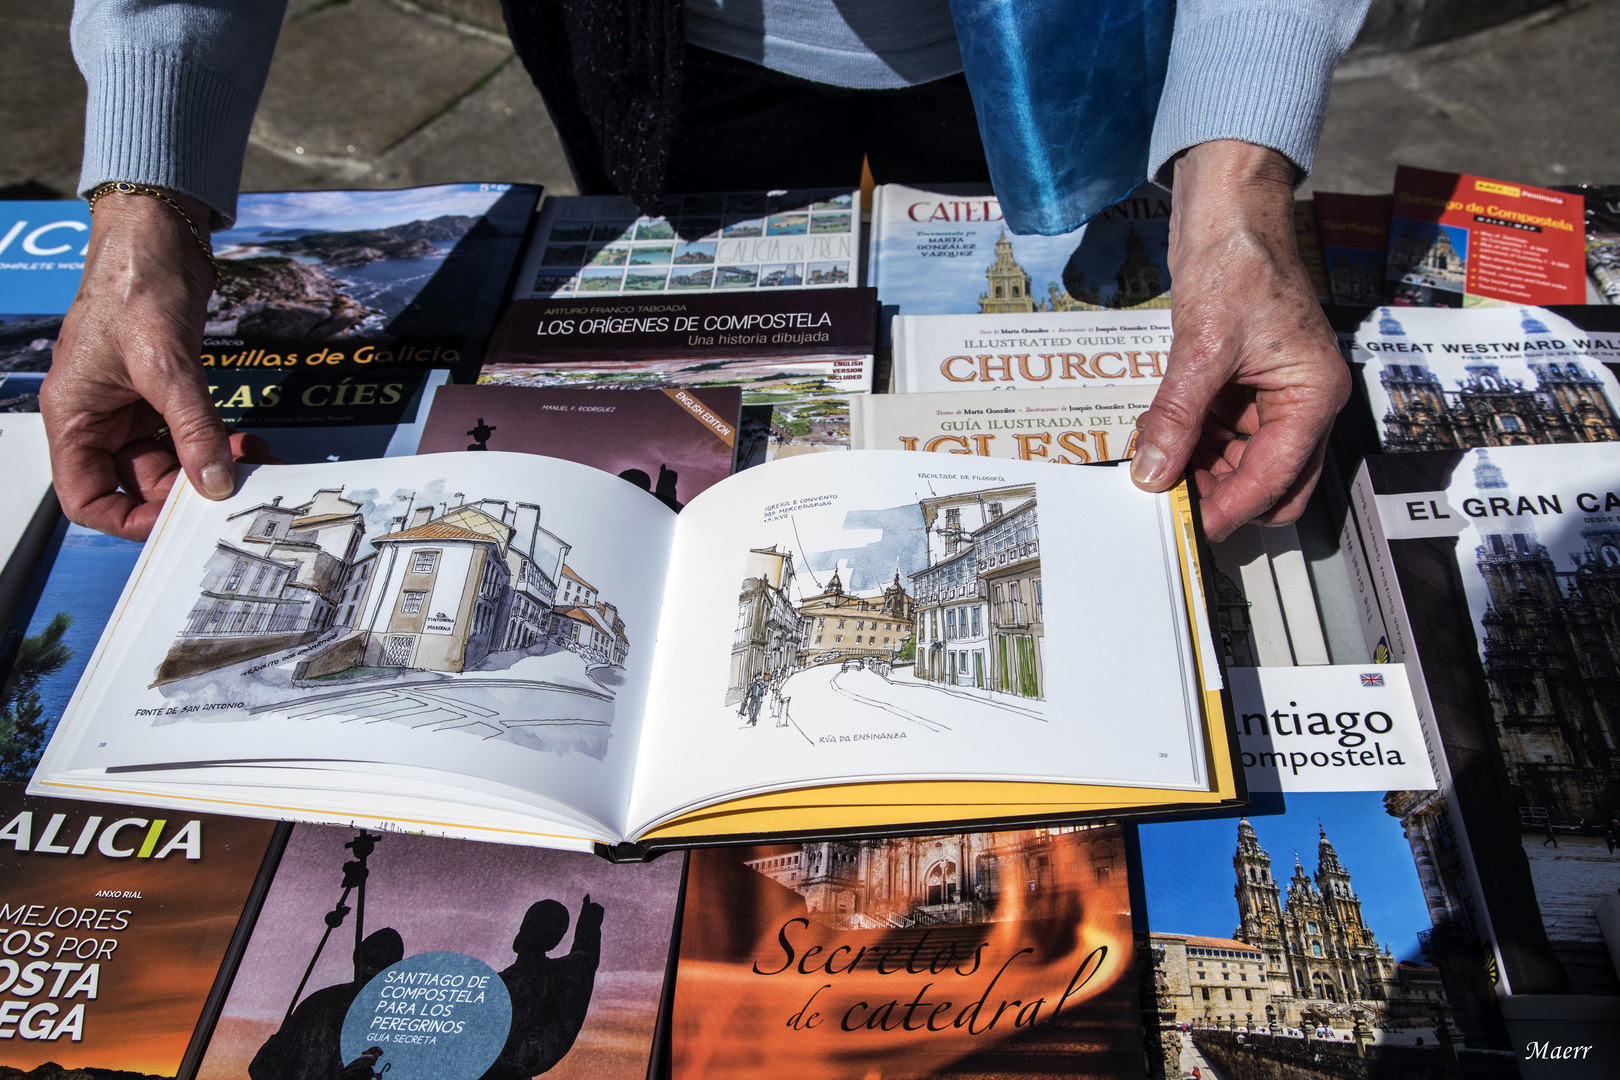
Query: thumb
[
  {"x": 179, "y": 391},
  {"x": 1170, "y": 430}
]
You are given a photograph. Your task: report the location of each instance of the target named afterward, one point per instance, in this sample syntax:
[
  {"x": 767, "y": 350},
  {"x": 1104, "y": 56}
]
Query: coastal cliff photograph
[{"x": 378, "y": 266}]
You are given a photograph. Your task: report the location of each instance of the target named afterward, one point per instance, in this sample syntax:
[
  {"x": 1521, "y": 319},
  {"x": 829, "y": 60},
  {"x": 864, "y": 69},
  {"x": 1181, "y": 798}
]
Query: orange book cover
[
  {"x": 1457, "y": 240},
  {"x": 967, "y": 955},
  {"x": 114, "y": 922}
]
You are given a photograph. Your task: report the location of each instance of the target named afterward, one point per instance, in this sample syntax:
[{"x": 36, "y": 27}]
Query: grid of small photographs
[{"x": 688, "y": 251}]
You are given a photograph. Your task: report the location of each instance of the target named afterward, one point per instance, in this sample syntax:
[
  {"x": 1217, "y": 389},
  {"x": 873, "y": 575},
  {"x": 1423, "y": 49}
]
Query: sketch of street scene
[
  {"x": 430, "y": 610},
  {"x": 953, "y": 636}
]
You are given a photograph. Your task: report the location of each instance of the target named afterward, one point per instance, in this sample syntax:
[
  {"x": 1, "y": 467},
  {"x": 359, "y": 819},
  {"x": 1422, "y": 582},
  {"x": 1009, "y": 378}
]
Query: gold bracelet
[{"x": 124, "y": 187}]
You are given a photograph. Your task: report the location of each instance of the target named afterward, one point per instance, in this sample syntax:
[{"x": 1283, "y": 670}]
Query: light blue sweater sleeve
[
  {"x": 1256, "y": 70},
  {"x": 173, "y": 85}
]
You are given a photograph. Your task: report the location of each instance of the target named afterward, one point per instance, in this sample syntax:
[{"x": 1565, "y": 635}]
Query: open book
[{"x": 526, "y": 649}]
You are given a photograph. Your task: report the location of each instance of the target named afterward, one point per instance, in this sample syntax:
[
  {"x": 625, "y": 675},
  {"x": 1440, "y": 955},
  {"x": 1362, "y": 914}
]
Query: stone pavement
[{"x": 373, "y": 93}]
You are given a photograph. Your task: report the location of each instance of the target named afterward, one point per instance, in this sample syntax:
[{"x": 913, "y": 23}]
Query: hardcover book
[
  {"x": 32, "y": 511},
  {"x": 602, "y": 245},
  {"x": 1465, "y": 241},
  {"x": 979, "y": 954},
  {"x": 798, "y": 356},
  {"x": 1355, "y": 238},
  {"x": 42, "y": 246},
  {"x": 1031, "y": 351},
  {"x": 675, "y": 442},
  {"x": 428, "y": 957},
  {"x": 480, "y": 644},
  {"x": 1346, "y": 964},
  {"x": 938, "y": 253},
  {"x": 1488, "y": 573},
  {"x": 117, "y": 922}
]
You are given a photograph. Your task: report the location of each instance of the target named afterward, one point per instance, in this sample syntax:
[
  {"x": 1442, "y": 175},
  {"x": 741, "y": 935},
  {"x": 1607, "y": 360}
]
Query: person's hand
[
  {"x": 127, "y": 366},
  {"x": 1254, "y": 377}
]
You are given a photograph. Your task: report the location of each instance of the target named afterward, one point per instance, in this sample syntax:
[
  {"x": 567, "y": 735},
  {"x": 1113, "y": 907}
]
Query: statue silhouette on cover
[
  {"x": 665, "y": 492},
  {"x": 550, "y": 995},
  {"x": 308, "y": 1045},
  {"x": 480, "y": 435}
]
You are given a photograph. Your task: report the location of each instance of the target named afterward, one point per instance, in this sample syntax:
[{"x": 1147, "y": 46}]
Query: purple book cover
[
  {"x": 439, "y": 958},
  {"x": 673, "y": 442}
]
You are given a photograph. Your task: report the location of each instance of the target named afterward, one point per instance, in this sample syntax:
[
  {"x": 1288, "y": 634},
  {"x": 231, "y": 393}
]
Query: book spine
[
  {"x": 1294, "y": 591},
  {"x": 1400, "y": 650},
  {"x": 902, "y": 381},
  {"x": 1359, "y": 571},
  {"x": 1242, "y": 558}
]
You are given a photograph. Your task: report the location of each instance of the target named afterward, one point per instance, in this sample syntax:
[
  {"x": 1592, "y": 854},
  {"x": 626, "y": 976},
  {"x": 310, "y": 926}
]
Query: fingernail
[
  {"x": 1149, "y": 465},
  {"x": 218, "y": 480}
]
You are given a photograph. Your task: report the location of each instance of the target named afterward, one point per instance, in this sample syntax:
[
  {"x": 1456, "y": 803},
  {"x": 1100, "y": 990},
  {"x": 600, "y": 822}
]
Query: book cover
[
  {"x": 951, "y": 254},
  {"x": 1067, "y": 425},
  {"x": 798, "y": 356},
  {"x": 32, "y": 511},
  {"x": 1308, "y": 236},
  {"x": 1002, "y": 351},
  {"x": 1355, "y": 238},
  {"x": 448, "y": 959},
  {"x": 1463, "y": 241},
  {"x": 351, "y": 280},
  {"x": 982, "y": 954},
  {"x": 1492, "y": 573},
  {"x": 1349, "y": 963},
  {"x": 116, "y": 921},
  {"x": 674, "y": 442},
  {"x": 603, "y": 245},
  {"x": 1438, "y": 379},
  {"x": 42, "y": 246}
]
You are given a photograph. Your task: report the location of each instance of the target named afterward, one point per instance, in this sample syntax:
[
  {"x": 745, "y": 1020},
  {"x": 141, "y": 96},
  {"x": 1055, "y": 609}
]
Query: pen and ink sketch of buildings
[
  {"x": 959, "y": 633},
  {"x": 305, "y": 605},
  {"x": 1568, "y": 404}
]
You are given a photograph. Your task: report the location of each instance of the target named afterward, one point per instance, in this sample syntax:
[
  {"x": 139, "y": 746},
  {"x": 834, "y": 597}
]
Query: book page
[
  {"x": 880, "y": 615},
  {"x": 490, "y": 617}
]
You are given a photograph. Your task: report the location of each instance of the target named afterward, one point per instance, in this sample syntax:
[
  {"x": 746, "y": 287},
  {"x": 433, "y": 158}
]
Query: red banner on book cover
[{"x": 1457, "y": 240}]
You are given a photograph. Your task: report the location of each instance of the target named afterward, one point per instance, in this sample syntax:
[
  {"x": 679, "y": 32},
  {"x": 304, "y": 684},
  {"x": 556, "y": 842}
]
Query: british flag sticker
[{"x": 1371, "y": 678}]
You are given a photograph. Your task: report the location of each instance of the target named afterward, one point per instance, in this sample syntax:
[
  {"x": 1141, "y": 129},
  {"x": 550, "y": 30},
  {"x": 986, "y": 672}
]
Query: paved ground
[{"x": 394, "y": 92}]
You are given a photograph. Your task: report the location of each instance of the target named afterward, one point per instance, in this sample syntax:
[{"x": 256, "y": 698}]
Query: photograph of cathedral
[
  {"x": 1447, "y": 400},
  {"x": 1428, "y": 254},
  {"x": 1250, "y": 957},
  {"x": 964, "y": 878}
]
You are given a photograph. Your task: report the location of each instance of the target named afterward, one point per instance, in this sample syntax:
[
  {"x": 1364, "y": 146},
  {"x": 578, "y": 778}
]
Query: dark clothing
[
  {"x": 640, "y": 112},
  {"x": 549, "y": 1000},
  {"x": 309, "y": 1045}
]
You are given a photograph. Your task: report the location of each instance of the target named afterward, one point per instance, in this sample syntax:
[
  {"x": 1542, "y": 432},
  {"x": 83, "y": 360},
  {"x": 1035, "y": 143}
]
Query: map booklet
[
  {"x": 420, "y": 956},
  {"x": 602, "y": 245},
  {"x": 1491, "y": 574},
  {"x": 674, "y": 442},
  {"x": 1031, "y": 351},
  {"x": 504, "y": 646},
  {"x": 968, "y": 955},
  {"x": 1464, "y": 241},
  {"x": 116, "y": 922}
]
